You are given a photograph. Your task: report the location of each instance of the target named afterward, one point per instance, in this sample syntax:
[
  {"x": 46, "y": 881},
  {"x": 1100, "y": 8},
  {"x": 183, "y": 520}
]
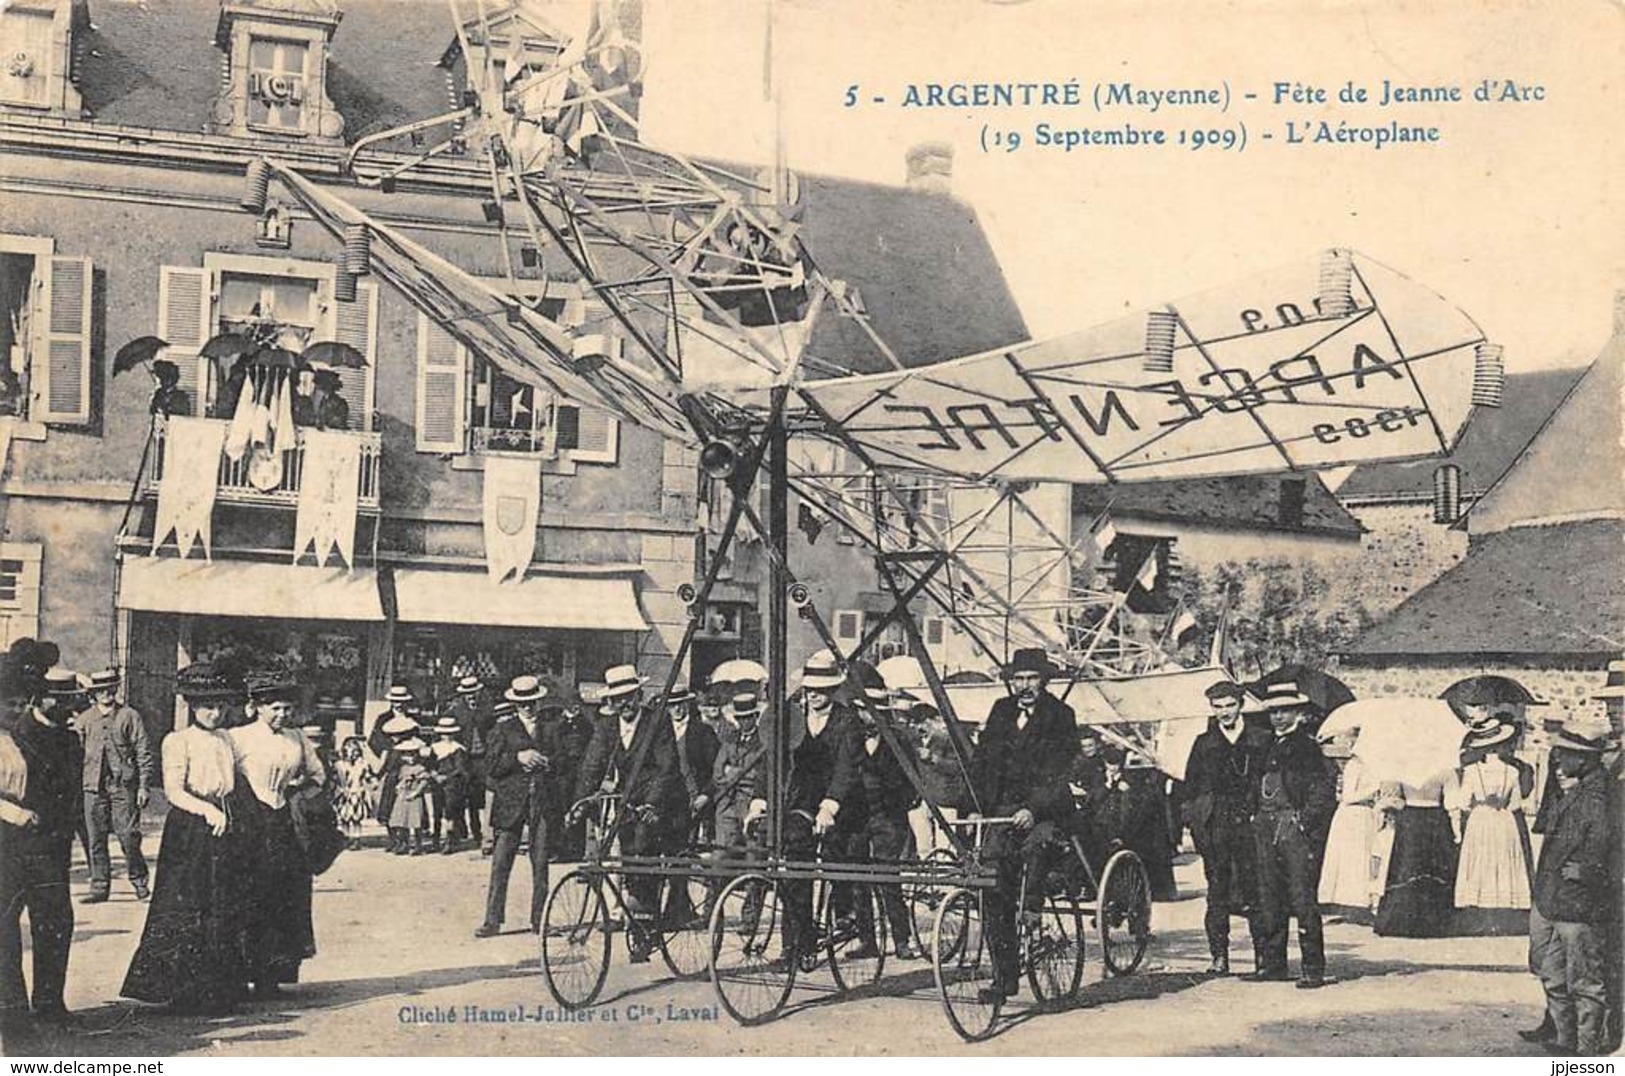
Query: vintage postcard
[{"x": 805, "y": 527}]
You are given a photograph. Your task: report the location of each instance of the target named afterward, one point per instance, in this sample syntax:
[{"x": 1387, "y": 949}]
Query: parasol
[
  {"x": 137, "y": 351},
  {"x": 228, "y": 346},
  {"x": 1487, "y": 691},
  {"x": 275, "y": 358},
  {"x": 335, "y": 354},
  {"x": 739, "y": 671},
  {"x": 1324, "y": 691},
  {"x": 1406, "y": 740}
]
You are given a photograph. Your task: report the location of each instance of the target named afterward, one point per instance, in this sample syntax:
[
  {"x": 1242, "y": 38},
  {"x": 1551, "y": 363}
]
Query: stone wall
[
  {"x": 1565, "y": 686},
  {"x": 1402, "y": 551}
]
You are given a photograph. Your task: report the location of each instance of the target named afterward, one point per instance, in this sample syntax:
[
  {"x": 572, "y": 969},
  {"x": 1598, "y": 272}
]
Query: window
[
  {"x": 45, "y": 310},
  {"x": 280, "y": 302},
  {"x": 19, "y": 591},
  {"x": 467, "y": 404},
  {"x": 276, "y": 84}
]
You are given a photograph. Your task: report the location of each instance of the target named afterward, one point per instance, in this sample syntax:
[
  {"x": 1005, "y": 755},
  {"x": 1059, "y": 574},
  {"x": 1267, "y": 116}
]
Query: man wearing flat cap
[
  {"x": 1223, "y": 762},
  {"x": 1293, "y": 796},
  {"x": 117, "y": 779},
  {"x": 1575, "y": 896},
  {"x": 1021, "y": 769}
]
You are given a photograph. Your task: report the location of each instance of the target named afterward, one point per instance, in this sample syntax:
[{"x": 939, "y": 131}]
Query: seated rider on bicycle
[
  {"x": 1020, "y": 770},
  {"x": 633, "y": 752},
  {"x": 823, "y": 795}
]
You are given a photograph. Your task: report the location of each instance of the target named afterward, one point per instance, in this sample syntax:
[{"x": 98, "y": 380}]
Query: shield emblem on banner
[{"x": 510, "y": 514}]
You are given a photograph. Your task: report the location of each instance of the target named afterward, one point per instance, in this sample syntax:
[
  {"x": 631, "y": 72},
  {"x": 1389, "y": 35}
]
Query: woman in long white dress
[
  {"x": 1347, "y": 884},
  {"x": 1486, "y": 803}
]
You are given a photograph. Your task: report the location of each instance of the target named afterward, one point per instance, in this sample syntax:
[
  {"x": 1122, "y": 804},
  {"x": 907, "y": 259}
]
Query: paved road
[{"x": 396, "y": 943}]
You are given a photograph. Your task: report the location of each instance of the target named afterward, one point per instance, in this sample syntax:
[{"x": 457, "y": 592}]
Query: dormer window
[
  {"x": 278, "y": 62},
  {"x": 276, "y": 84},
  {"x": 36, "y": 38}
]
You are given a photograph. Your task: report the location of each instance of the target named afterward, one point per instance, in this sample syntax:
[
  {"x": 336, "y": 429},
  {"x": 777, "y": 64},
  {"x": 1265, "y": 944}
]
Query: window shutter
[
  {"x": 185, "y": 309},
  {"x": 442, "y": 389},
  {"x": 355, "y": 323},
  {"x": 19, "y": 591},
  {"x": 64, "y": 390},
  {"x": 590, "y": 435}
]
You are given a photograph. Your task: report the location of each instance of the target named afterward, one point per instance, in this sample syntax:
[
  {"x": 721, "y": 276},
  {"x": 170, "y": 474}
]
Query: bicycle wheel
[
  {"x": 750, "y": 969},
  {"x": 685, "y": 931},
  {"x": 855, "y": 958},
  {"x": 575, "y": 940},
  {"x": 1123, "y": 915},
  {"x": 1053, "y": 951},
  {"x": 964, "y": 972},
  {"x": 925, "y": 897}
]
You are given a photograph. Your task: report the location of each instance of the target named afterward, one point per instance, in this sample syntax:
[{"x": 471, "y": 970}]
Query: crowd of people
[
  {"x": 229, "y": 916},
  {"x": 873, "y": 775}
]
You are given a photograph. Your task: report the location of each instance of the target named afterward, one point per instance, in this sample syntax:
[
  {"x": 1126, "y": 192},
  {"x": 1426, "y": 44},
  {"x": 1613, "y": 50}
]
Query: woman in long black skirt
[
  {"x": 273, "y": 761},
  {"x": 191, "y": 952}
]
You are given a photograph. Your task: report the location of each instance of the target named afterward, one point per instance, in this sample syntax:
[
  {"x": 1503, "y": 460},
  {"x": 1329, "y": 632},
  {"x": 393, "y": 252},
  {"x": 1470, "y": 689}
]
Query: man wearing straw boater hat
[
  {"x": 1293, "y": 797},
  {"x": 738, "y": 772},
  {"x": 633, "y": 752},
  {"x": 1020, "y": 771},
  {"x": 473, "y": 717},
  {"x": 118, "y": 771},
  {"x": 519, "y": 766}
]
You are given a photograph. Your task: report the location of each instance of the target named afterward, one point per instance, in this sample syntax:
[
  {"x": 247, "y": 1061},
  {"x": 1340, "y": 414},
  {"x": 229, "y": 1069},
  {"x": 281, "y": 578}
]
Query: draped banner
[
  {"x": 513, "y": 502},
  {"x": 192, "y": 449},
  {"x": 329, "y": 485}
]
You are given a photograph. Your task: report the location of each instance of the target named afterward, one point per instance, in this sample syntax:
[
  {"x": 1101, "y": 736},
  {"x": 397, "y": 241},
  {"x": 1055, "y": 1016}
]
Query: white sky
[{"x": 1516, "y": 216}]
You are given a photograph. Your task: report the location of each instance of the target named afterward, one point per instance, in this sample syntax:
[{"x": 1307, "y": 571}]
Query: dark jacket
[
  {"x": 1027, "y": 768},
  {"x": 1307, "y": 778},
  {"x": 54, "y": 759},
  {"x": 117, "y": 742},
  {"x": 697, "y": 758},
  {"x": 739, "y": 773},
  {"x": 1580, "y": 830},
  {"x": 940, "y": 769},
  {"x": 517, "y": 795},
  {"x": 658, "y": 782},
  {"x": 1219, "y": 780},
  {"x": 826, "y": 766},
  {"x": 886, "y": 785}
]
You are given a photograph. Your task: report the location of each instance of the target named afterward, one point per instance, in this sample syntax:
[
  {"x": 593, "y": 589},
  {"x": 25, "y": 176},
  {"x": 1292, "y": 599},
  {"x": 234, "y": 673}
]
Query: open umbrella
[
  {"x": 335, "y": 354},
  {"x": 136, "y": 352},
  {"x": 1324, "y": 691},
  {"x": 228, "y": 346},
  {"x": 275, "y": 358},
  {"x": 739, "y": 671},
  {"x": 1487, "y": 691},
  {"x": 1400, "y": 739}
]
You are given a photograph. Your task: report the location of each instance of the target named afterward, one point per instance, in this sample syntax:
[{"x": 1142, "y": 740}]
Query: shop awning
[
  {"x": 247, "y": 588},
  {"x": 551, "y": 600}
]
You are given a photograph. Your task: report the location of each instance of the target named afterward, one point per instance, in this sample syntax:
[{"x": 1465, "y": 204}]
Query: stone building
[{"x": 1540, "y": 594}]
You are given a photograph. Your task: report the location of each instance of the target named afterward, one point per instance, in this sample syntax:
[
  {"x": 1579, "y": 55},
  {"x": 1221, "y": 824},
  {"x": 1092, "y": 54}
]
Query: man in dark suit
[
  {"x": 1293, "y": 799},
  {"x": 1223, "y": 762},
  {"x": 1574, "y": 895},
  {"x": 1023, "y": 759},
  {"x": 632, "y": 751},
  {"x": 575, "y": 735},
  {"x": 696, "y": 747},
  {"x": 519, "y": 769},
  {"x": 890, "y": 795},
  {"x": 823, "y": 795},
  {"x": 41, "y": 811},
  {"x": 119, "y": 769},
  {"x": 469, "y": 710}
]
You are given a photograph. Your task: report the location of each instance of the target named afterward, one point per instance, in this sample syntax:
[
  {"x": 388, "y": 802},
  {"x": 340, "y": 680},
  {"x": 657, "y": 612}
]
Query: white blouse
[
  {"x": 271, "y": 761},
  {"x": 199, "y": 768}
]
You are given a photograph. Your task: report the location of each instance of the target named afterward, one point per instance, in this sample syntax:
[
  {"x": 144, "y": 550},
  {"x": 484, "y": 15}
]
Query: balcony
[{"x": 235, "y": 488}]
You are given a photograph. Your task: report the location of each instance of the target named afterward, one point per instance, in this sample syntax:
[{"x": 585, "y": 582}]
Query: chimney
[{"x": 930, "y": 167}]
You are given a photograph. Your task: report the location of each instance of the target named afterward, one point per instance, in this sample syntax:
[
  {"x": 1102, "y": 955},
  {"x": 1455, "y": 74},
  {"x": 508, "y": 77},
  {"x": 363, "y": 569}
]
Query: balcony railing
[{"x": 235, "y": 488}]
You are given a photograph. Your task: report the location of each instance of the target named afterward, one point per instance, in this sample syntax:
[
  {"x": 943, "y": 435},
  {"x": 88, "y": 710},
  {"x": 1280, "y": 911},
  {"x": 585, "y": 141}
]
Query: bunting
[
  {"x": 329, "y": 486},
  {"x": 192, "y": 449},
  {"x": 513, "y": 504},
  {"x": 1147, "y": 575}
]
